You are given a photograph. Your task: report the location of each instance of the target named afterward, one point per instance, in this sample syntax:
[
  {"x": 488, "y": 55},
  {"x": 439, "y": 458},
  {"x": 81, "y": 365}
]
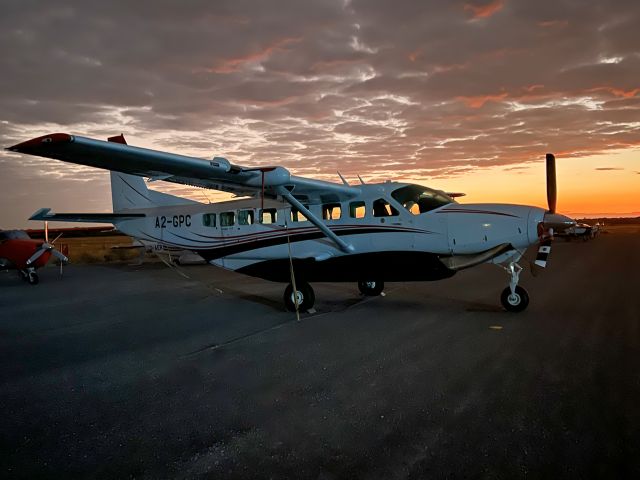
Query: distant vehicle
[
  {"x": 25, "y": 254},
  {"x": 298, "y": 230},
  {"x": 581, "y": 231}
]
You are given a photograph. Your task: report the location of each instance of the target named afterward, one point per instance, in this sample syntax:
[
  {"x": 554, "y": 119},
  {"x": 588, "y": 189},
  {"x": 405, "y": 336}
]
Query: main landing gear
[
  {"x": 30, "y": 275},
  {"x": 514, "y": 298},
  {"x": 304, "y": 297}
]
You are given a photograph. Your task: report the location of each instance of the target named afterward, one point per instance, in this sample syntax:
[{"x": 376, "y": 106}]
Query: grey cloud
[{"x": 410, "y": 85}]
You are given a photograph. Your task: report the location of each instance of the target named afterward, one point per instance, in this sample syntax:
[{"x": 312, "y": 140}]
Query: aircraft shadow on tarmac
[{"x": 483, "y": 307}]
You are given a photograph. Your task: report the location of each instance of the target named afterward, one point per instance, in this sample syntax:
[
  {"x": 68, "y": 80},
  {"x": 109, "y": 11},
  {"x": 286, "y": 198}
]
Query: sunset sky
[{"x": 458, "y": 95}]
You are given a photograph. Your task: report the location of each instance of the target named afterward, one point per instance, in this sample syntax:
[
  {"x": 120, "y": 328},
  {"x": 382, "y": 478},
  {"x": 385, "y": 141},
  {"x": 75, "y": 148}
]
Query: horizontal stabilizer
[
  {"x": 43, "y": 214},
  {"x": 460, "y": 262}
]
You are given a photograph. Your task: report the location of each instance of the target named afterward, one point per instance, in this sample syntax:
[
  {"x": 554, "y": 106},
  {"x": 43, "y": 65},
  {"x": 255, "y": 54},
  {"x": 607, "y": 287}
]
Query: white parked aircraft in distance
[{"x": 299, "y": 230}]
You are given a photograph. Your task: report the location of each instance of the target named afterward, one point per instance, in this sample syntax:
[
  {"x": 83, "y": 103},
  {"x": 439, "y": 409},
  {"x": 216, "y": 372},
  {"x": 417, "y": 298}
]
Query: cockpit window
[
  {"x": 418, "y": 199},
  {"x": 13, "y": 235}
]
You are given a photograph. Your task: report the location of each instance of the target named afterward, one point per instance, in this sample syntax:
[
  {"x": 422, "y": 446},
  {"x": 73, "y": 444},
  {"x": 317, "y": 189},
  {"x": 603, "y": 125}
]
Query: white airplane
[{"x": 299, "y": 230}]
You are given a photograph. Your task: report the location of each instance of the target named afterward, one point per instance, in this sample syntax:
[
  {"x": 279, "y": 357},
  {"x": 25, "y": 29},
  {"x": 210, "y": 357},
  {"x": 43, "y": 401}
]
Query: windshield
[
  {"x": 418, "y": 199},
  {"x": 13, "y": 235}
]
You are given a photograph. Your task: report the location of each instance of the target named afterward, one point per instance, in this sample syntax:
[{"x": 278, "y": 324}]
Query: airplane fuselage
[
  {"x": 392, "y": 239},
  {"x": 16, "y": 252}
]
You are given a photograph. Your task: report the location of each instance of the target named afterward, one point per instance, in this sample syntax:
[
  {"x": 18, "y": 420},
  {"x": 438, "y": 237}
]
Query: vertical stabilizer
[{"x": 131, "y": 192}]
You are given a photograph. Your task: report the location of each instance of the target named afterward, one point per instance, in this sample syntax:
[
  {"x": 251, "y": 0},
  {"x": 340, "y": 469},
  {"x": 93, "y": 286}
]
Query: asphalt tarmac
[{"x": 122, "y": 372}]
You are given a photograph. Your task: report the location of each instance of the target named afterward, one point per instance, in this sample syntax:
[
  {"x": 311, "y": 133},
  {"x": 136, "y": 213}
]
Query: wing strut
[{"x": 346, "y": 248}]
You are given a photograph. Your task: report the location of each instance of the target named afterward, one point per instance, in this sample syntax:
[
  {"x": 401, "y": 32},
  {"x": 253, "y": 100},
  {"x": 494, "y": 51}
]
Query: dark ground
[{"x": 114, "y": 372}]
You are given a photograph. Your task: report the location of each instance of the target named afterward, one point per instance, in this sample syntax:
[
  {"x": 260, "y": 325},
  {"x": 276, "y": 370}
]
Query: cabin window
[
  {"x": 209, "y": 219},
  {"x": 357, "y": 210},
  {"x": 297, "y": 216},
  {"x": 227, "y": 219},
  {"x": 418, "y": 199},
  {"x": 382, "y": 208},
  {"x": 246, "y": 217},
  {"x": 331, "y": 211},
  {"x": 268, "y": 216}
]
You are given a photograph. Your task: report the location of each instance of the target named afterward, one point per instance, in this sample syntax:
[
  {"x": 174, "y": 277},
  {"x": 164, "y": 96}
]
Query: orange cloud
[
  {"x": 553, "y": 23},
  {"x": 232, "y": 65},
  {"x": 484, "y": 11},
  {"x": 618, "y": 92},
  {"x": 479, "y": 100},
  {"x": 413, "y": 56}
]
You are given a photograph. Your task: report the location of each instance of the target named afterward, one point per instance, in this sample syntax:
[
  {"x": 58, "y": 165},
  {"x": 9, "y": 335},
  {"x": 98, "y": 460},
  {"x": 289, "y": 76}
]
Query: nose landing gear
[
  {"x": 371, "y": 288},
  {"x": 514, "y": 298},
  {"x": 30, "y": 275}
]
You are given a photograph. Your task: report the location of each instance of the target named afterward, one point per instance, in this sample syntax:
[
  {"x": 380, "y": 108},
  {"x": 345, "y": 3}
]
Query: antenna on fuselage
[
  {"x": 361, "y": 180},
  {"x": 343, "y": 180}
]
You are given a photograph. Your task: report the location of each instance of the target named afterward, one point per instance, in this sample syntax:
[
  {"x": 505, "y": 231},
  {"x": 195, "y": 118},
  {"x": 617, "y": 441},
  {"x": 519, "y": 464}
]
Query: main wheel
[
  {"x": 304, "y": 296},
  {"x": 33, "y": 278},
  {"x": 371, "y": 288},
  {"x": 516, "y": 302}
]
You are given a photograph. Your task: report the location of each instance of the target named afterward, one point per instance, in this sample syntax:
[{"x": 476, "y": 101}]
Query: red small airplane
[{"x": 25, "y": 254}]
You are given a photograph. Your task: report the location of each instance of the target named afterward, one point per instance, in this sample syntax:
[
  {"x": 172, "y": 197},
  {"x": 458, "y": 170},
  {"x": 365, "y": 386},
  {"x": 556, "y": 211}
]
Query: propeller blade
[
  {"x": 551, "y": 182},
  {"x": 46, "y": 231},
  {"x": 543, "y": 253},
  {"x": 59, "y": 255},
  {"x": 535, "y": 270},
  {"x": 37, "y": 255}
]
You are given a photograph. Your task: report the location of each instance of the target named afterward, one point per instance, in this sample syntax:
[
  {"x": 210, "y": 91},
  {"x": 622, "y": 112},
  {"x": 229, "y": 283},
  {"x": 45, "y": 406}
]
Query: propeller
[
  {"x": 551, "y": 220},
  {"x": 48, "y": 247}
]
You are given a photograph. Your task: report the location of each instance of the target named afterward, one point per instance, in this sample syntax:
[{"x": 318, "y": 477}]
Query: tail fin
[{"x": 130, "y": 191}]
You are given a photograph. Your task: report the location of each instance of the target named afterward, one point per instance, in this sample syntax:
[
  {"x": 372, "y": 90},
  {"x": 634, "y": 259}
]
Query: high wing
[{"x": 217, "y": 174}]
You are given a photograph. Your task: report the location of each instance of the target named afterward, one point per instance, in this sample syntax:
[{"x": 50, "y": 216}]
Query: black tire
[
  {"x": 33, "y": 278},
  {"x": 518, "y": 302},
  {"x": 306, "y": 297},
  {"x": 371, "y": 288}
]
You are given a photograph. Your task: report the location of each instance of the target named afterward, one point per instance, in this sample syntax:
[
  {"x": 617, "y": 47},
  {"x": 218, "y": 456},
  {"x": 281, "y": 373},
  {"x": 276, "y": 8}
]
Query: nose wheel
[
  {"x": 371, "y": 288},
  {"x": 514, "y": 298},
  {"x": 516, "y": 301},
  {"x": 30, "y": 276}
]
